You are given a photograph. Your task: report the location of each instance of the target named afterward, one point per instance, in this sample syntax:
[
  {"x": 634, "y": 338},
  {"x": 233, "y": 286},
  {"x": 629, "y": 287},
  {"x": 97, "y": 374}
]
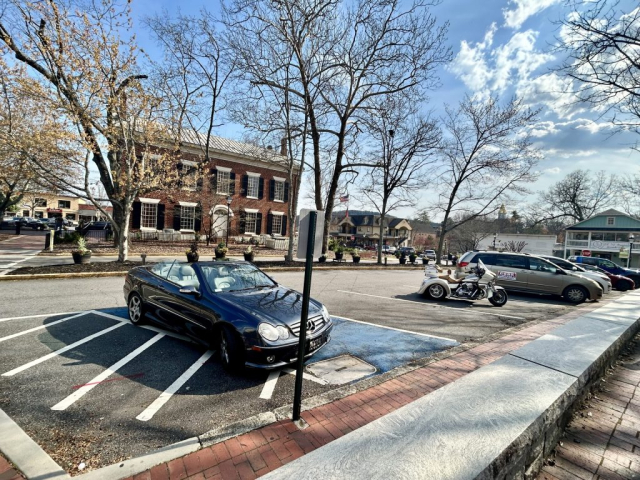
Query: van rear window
[{"x": 512, "y": 261}]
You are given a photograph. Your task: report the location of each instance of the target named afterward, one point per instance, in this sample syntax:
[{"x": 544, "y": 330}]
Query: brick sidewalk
[
  {"x": 602, "y": 440},
  {"x": 263, "y": 450},
  {"x": 7, "y": 472}
]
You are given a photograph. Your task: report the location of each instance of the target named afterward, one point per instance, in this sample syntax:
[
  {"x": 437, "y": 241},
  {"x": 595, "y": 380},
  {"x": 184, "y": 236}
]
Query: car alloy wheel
[
  {"x": 436, "y": 291},
  {"x": 136, "y": 313},
  {"x": 230, "y": 350},
  {"x": 575, "y": 294}
]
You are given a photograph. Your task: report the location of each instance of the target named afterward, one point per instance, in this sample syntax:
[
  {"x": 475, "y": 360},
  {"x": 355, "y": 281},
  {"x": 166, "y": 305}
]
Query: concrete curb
[{"x": 40, "y": 276}]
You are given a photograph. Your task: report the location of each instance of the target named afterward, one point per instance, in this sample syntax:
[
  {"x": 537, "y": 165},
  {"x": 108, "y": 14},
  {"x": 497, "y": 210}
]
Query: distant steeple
[{"x": 502, "y": 213}]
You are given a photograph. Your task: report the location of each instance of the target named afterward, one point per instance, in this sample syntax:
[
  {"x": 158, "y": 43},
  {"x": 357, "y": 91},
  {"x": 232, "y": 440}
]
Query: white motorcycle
[{"x": 477, "y": 286}]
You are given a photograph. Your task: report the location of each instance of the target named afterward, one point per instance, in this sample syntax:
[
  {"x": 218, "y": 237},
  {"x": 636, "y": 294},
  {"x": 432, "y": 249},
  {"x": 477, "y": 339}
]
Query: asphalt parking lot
[{"x": 90, "y": 387}]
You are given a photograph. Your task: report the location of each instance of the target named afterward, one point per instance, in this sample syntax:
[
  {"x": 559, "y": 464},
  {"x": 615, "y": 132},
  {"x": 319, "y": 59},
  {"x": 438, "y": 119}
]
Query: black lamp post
[
  {"x": 228, "y": 218},
  {"x": 495, "y": 235},
  {"x": 631, "y": 239}
]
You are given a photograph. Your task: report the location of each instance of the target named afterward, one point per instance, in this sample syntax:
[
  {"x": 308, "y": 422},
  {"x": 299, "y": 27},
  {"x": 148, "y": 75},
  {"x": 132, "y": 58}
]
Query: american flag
[{"x": 344, "y": 198}]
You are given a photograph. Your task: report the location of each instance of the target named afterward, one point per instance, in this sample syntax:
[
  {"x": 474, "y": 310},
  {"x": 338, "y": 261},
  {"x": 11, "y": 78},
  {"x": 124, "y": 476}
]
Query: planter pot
[
  {"x": 248, "y": 257},
  {"x": 322, "y": 259},
  {"x": 403, "y": 260},
  {"x": 220, "y": 254},
  {"x": 425, "y": 261},
  {"x": 412, "y": 259},
  {"x": 338, "y": 255},
  {"x": 81, "y": 258},
  {"x": 192, "y": 257},
  {"x": 356, "y": 259}
]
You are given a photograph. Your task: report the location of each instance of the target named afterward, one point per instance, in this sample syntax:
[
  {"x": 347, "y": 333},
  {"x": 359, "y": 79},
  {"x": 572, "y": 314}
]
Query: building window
[
  {"x": 611, "y": 220},
  {"x": 253, "y": 187},
  {"x": 187, "y": 218},
  {"x": 276, "y": 225},
  {"x": 223, "y": 181},
  {"x": 64, "y": 204},
  {"x": 40, "y": 202},
  {"x": 189, "y": 178},
  {"x": 250, "y": 221},
  {"x": 25, "y": 213},
  {"x": 149, "y": 215},
  {"x": 70, "y": 216},
  {"x": 278, "y": 191}
]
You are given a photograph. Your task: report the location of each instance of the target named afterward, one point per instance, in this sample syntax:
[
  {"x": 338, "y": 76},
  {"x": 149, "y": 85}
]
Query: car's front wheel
[
  {"x": 230, "y": 350},
  {"x": 575, "y": 294},
  {"x": 136, "y": 309}
]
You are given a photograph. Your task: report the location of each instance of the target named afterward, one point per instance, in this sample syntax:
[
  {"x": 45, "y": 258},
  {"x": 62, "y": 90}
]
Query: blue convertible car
[{"x": 233, "y": 307}]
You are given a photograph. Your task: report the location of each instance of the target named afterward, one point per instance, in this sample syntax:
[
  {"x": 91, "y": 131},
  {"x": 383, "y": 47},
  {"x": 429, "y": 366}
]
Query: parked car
[
  {"x": 407, "y": 250},
  {"x": 526, "y": 273},
  {"x": 603, "y": 280},
  {"x": 232, "y": 306},
  {"x": 617, "y": 281},
  {"x": 609, "y": 266},
  {"x": 94, "y": 226},
  {"x": 391, "y": 249},
  {"x": 39, "y": 223},
  {"x": 430, "y": 254}
]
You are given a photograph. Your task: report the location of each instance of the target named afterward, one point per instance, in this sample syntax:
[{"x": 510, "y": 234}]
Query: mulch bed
[
  {"x": 128, "y": 265},
  {"x": 4, "y": 236}
]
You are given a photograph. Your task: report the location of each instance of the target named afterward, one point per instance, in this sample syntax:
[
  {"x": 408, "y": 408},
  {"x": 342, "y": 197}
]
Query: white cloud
[
  {"x": 524, "y": 9},
  {"x": 553, "y": 91},
  {"x": 485, "y": 70},
  {"x": 552, "y": 170},
  {"x": 563, "y": 153}
]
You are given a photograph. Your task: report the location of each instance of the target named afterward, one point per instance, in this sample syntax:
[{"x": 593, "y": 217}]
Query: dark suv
[{"x": 610, "y": 267}]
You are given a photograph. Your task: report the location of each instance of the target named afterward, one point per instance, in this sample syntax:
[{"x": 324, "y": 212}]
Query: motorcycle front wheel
[{"x": 499, "y": 298}]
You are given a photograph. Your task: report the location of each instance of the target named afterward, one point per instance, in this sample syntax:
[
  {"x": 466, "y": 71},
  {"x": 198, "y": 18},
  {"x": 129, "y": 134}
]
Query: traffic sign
[{"x": 586, "y": 253}]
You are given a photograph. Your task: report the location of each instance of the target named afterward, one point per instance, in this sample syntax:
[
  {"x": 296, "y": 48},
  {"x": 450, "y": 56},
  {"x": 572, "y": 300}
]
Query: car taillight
[{"x": 463, "y": 264}]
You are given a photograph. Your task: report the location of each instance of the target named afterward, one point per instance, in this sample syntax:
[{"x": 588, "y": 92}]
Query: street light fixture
[
  {"x": 228, "y": 218},
  {"x": 495, "y": 236},
  {"x": 631, "y": 239}
]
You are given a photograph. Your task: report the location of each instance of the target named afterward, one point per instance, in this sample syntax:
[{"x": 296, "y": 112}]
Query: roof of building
[
  {"x": 598, "y": 222},
  {"x": 610, "y": 212},
  {"x": 225, "y": 145}
]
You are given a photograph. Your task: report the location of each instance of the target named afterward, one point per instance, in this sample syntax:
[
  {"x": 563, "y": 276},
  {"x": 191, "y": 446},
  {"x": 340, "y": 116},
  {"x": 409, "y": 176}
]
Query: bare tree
[
  {"x": 578, "y": 196},
  {"x": 406, "y": 144},
  {"x": 346, "y": 55},
  {"x": 602, "y": 43},
  {"x": 514, "y": 246},
  {"x": 469, "y": 234},
  {"x": 487, "y": 155},
  {"x": 84, "y": 61}
]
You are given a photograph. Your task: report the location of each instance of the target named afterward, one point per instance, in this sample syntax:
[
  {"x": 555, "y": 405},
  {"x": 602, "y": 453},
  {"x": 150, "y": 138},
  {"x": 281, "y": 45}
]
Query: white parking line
[
  {"x": 396, "y": 329},
  {"x": 38, "y": 316},
  {"x": 270, "y": 385},
  {"x": 432, "y": 306},
  {"x": 164, "y": 397},
  {"x": 61, "y": 351},
  {"x": 146, "y": 327},
  {"x": 80, "y": 392},
  {"x": 24, "y": 332},
  {"x": 307, "y": 376}
]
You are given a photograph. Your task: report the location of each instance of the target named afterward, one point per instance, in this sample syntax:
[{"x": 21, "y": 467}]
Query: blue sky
[{"x": 502, "y": 47}]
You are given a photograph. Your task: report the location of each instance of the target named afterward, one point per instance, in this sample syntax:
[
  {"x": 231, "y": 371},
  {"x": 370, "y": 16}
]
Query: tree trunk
[
  {"x": 381, "y": 239},
  {"x": 440, "y": 245},
  {"x": 121, "y": 231}
]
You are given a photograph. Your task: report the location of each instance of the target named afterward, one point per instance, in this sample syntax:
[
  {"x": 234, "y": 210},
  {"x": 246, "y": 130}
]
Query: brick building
[{"x": 248, "y": 182}]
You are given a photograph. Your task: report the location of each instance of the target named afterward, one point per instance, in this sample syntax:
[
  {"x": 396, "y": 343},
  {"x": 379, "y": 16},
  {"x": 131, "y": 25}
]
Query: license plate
[{"x": 316, "y": 343}]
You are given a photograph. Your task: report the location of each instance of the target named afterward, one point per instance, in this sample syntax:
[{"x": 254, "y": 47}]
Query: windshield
[{"x": 229, "y": 277}]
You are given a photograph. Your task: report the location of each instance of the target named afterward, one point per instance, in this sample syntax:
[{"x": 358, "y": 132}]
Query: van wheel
[
  {"x": 436, "y": 291},
  {"x": 575, "y": 294}
]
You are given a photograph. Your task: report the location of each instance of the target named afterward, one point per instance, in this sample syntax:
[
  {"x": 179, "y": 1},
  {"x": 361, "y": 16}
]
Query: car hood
[{"x": 277, "y": 305}]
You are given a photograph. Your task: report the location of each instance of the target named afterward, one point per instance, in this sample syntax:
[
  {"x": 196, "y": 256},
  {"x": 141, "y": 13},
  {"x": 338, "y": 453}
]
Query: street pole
[
  {"x": 306, "y": 294},
  {"x": 228, "y": 219},
  {"x": 631, "y": 239}
]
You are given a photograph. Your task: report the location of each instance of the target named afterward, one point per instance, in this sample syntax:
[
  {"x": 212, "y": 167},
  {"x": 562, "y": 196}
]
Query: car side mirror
[{"x": 190, "y": 290}]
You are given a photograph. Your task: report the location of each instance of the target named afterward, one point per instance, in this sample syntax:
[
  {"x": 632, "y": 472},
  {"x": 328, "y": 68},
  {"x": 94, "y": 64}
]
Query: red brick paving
[
  {"x": 7, "y": 472},
  {"x": 602, "y": 440},
  {"x": 256, "y": 453}
]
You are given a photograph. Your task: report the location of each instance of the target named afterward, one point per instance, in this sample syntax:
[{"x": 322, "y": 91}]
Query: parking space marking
[
  {"x": 270, "y": 385},
  {"x": 61, "y": 351},
  {"x": 146, "y": 327},
  {"x": 396, "y": 329},
  {"x": 433, "y": 306},
  {"x": 79, "y": 393},
  {"x": 24, "y": 332},
  {"x": 38, "y": 316},
  {"x": 307, "y": 376},
  {"x": 165, "y": 396}
]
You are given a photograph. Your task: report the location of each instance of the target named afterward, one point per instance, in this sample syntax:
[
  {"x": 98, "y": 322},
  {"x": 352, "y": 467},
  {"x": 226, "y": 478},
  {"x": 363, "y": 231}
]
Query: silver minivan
[{"x": 525, "y": 273}]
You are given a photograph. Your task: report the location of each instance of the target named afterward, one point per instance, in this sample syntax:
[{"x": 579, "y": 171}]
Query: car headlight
[
  {"x": 268, "y": 332},
  {"x": 325, "y": 313},
  {"x": 271, "y": 333}
]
